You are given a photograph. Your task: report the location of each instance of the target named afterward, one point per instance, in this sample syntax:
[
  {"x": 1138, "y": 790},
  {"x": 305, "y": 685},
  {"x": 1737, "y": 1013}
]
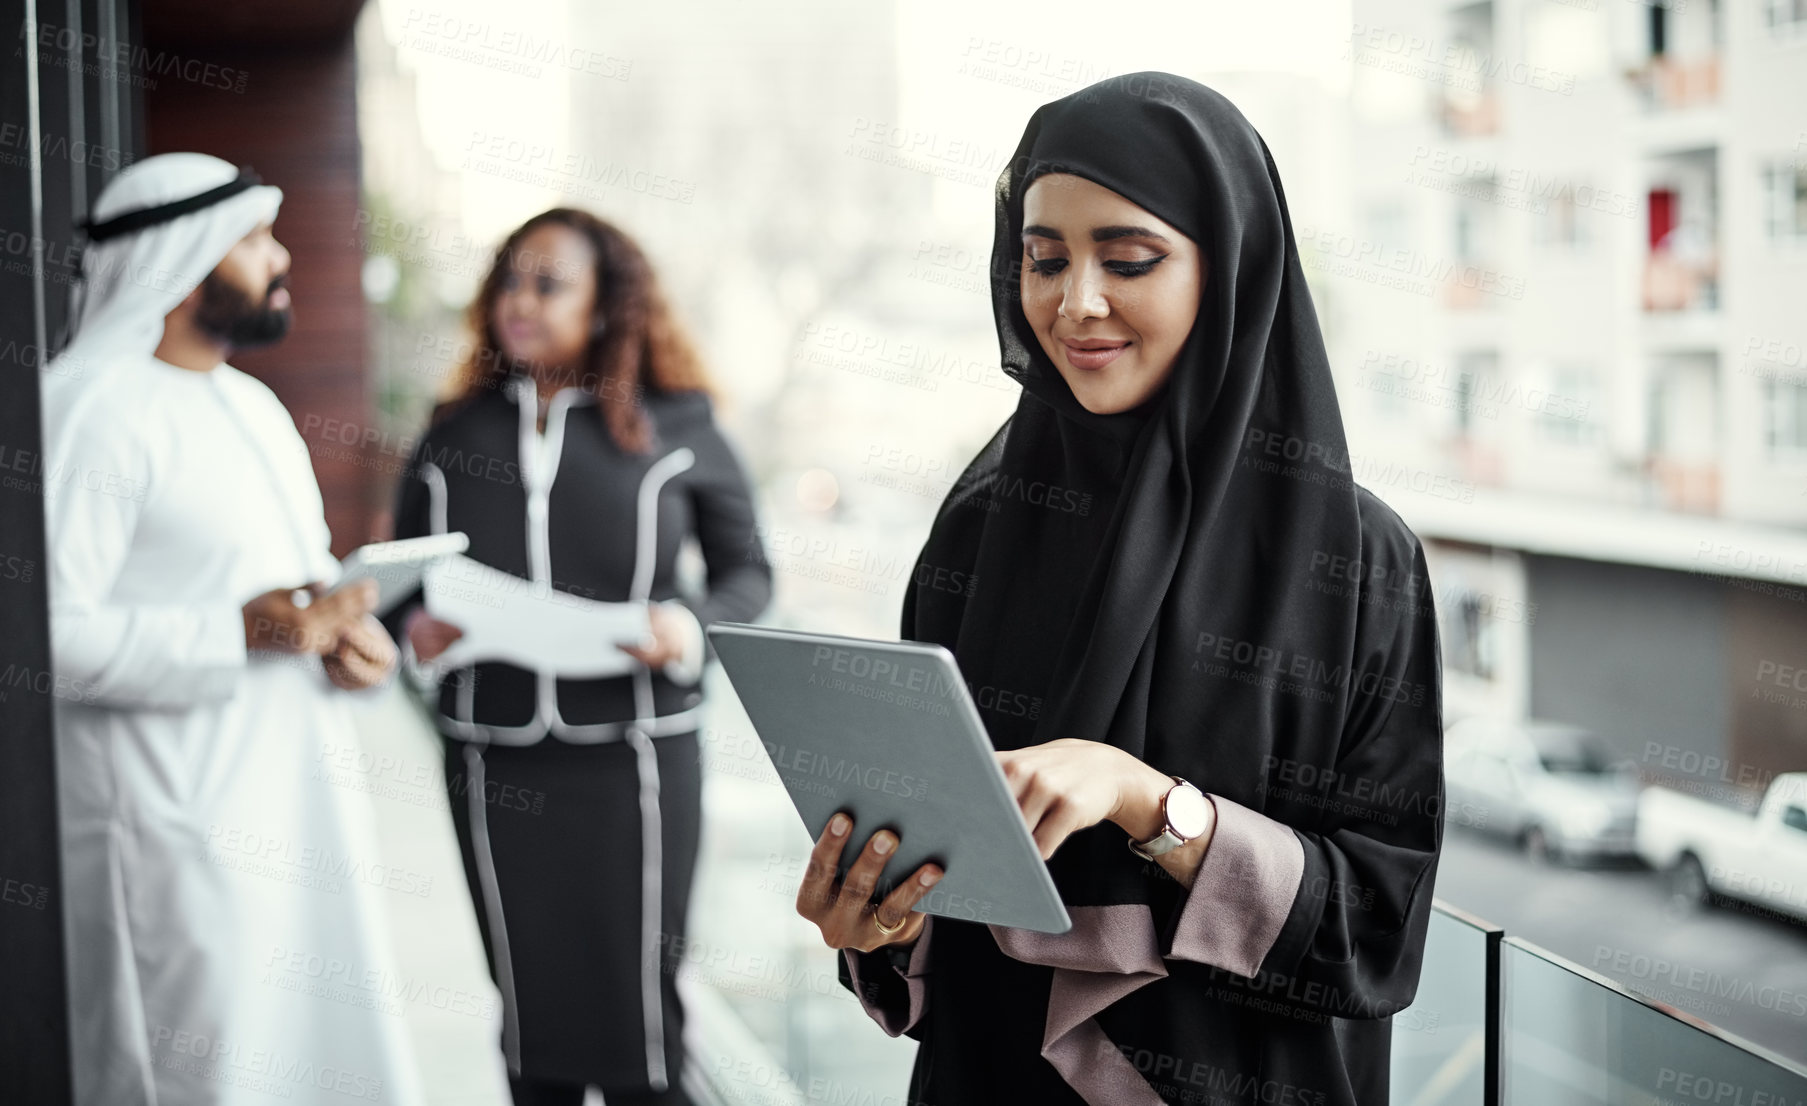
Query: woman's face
[
  {"x": 542, "y": 309},
  {"x": 1110, "y": 290}
]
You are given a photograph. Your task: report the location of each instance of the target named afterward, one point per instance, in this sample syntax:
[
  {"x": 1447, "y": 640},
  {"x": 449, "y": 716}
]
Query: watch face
[{"x": 1186, "y": 811}]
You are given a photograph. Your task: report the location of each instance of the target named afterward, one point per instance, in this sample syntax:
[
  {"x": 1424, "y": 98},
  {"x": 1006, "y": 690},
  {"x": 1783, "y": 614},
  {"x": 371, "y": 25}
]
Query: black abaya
[{"x": 1234, "y": 611}]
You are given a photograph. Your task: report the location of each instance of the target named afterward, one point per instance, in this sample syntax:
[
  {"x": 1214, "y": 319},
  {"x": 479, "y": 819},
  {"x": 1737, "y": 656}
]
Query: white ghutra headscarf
[{"x": 141, "y": 263}]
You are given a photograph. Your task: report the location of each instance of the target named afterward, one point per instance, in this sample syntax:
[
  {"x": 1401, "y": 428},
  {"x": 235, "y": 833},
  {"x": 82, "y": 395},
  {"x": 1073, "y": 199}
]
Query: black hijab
[{"x": 1115, "y": 555}]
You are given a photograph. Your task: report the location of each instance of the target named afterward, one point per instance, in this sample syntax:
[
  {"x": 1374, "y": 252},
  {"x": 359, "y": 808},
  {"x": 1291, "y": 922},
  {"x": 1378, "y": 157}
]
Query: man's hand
[
  {"x": 364, "y": 658},
  {"x": 273, "y": 621},
  {"x": 429, "y": 636}
]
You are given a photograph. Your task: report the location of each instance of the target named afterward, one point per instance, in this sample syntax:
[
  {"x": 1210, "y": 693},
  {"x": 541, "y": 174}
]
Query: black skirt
[{"x": 557, "y": 858}]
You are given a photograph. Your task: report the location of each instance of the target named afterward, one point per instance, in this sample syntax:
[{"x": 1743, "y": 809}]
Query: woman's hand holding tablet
[
  {"x": 1061, "y": 787},
  {"x": 888, "y": 734},
  {"x": 844, "y": 912}
]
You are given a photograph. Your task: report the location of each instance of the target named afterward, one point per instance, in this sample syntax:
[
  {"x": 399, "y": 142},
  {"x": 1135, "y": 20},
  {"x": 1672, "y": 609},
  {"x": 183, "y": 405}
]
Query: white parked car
[
  {"x": 1709, "y": 849},
  {"x": 1555, "y": 788}
]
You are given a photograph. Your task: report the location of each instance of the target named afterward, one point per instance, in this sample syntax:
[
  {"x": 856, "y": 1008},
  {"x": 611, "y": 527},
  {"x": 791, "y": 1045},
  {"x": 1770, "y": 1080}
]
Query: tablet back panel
[{"x": 888, "y": 732}]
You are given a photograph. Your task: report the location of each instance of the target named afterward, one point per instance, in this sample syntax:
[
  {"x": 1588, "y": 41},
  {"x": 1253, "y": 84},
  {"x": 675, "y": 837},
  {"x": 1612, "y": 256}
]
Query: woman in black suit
[{"x": 580, "y": 453}]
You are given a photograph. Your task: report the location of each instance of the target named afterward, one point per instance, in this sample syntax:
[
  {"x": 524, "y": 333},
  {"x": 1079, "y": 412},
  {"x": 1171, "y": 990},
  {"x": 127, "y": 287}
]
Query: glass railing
[
  {"x": 1571, "y": 1037},
  {"x": 1498, "y": 1021},
  {"x": 1446, "y": 1044}
]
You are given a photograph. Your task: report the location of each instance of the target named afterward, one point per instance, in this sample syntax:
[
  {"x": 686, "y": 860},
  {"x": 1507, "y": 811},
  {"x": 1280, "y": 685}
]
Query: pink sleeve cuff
[
  {"x": 892, "y": 1016},
  {"x": 1243, "y": 892}
]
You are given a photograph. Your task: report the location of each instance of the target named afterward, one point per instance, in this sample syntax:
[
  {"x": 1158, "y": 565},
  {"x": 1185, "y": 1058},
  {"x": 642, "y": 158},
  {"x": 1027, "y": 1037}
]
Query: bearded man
[{"x": 223, "y": 901}]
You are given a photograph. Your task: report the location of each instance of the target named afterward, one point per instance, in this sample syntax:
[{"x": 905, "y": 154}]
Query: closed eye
[
  {"x": 1134, "y": 268},
  {"x": 1051, "y": 266}
]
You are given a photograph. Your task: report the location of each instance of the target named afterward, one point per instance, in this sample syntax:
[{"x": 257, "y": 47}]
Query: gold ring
[{"x": 885, "y": 929}]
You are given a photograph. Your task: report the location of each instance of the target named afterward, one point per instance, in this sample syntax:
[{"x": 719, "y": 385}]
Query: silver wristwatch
[{"x": 1185, "y": 809}]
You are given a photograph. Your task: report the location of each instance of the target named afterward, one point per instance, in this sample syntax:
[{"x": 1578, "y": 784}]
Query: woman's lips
[{"x": 1093, "y": 355}]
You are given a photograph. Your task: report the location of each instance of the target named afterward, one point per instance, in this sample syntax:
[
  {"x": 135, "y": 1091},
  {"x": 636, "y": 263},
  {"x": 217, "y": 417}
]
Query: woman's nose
[{"x": 1083, "y": 298}]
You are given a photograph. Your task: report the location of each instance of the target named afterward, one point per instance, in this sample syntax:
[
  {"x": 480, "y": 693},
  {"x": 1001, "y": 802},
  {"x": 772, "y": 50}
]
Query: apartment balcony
[
  {"x": 1689, "y": 486},
  {"x": 1469, "y": 115},
  {"x": 1672, "y": 284},
  {"x": 1668, "y": 84},
  {"x": 1478, "y": 461},
  {"x": 1478, "y": 286}
]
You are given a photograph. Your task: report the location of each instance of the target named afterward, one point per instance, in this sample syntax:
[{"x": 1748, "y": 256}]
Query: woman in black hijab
[{"x": 1175, "y": 568}]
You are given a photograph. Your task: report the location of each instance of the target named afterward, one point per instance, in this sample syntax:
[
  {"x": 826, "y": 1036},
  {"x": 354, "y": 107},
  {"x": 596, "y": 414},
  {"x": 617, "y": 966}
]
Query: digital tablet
[
  {"x": 397, "y": 566},
  {"x": 887, "y": 731}
]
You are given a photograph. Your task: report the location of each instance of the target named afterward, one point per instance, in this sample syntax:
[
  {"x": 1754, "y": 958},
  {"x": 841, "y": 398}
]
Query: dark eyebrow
[
  {"x": 1105, "y": 234},
  {"x": 1099, "y": 234}
]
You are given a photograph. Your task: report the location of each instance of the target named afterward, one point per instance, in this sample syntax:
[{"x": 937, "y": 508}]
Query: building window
[
  {"x": 1786, "y": 406},
  {"x": 1469, "y": 634},
  {"x": 1785, "y": 191},
  {"x": 1784, "y": 15},
  {"x": 1470, "y": 101},
  {"x": 1391, "y": 393},
  {"x": 1565, "y": 412},
  {"x": 1464, "y": 235},
  {"x": 1684, "y": 401},
  {"x": 1558, "y": 222},
  {"x": 1654, "y": 410},
  {"x": 1387, "y": 225},
  {"x": 1477, "y": 389}
]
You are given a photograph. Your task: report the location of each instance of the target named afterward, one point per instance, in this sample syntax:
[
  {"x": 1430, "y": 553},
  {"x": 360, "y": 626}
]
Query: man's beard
[{"x": 228, "y": 314}]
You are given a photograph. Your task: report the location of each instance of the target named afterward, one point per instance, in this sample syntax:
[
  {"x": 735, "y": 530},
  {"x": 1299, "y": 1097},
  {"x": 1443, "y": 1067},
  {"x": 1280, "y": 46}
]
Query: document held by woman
[{"x": 529, "y": 622}]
